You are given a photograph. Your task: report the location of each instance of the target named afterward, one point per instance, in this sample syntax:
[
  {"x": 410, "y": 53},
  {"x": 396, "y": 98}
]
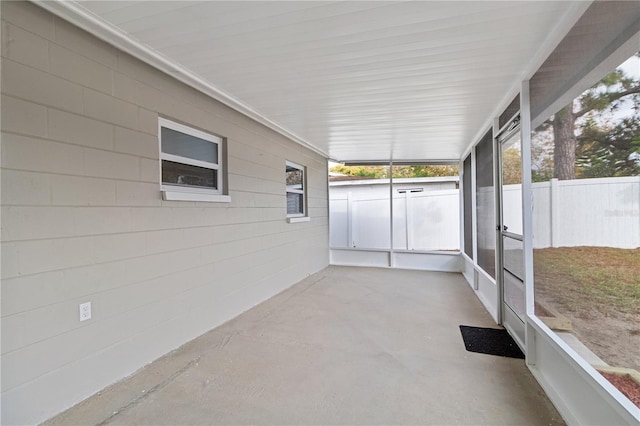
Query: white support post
[
  {"x": 350, "y": 241},
  {"x": 408, "y": 220},
  {"x": 527, "y": 221},
  {"x": 391, "y": 214},
  {"x": 498, "y": 217}
]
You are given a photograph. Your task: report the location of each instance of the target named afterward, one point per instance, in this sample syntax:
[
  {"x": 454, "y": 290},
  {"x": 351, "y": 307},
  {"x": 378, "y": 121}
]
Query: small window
[
  {"x": 296, "y": 200},
  {"x": 191, "y": 162}
]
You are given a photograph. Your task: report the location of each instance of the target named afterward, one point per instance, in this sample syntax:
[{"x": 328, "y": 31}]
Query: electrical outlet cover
[{"x": 85, "y": 311}]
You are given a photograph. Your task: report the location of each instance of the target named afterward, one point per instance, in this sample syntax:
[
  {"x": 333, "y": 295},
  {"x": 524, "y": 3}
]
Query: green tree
[
  {"x": 541, "y": 156},
  {"x": 382, "y": 172},
  {"x": 511, "y": 166},
  {"x": 433, "y": 171},
  {"x": 589, "y": 137},
  {"x": 374, "y": 172},
  {"x": 612, "y": 151}
]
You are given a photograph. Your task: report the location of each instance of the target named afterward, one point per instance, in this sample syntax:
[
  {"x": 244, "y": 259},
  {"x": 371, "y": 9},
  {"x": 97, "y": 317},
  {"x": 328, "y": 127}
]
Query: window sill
[
  {"x": 298, "y": 219},
  {"x": 193, "y": 196}
]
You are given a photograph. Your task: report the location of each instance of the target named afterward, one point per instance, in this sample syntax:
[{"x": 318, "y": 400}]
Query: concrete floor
[{"x": 345, "y": 346}]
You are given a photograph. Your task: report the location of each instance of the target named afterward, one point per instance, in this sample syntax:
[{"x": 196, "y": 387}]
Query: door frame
[{"x": 507, "y": 318}]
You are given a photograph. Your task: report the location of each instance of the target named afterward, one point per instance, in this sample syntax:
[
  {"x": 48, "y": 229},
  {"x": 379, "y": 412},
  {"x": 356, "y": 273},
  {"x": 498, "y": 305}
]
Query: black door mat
[{"x": 490, "y": 341}]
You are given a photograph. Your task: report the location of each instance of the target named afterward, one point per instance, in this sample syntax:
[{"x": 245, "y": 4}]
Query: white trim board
[
  {"x": 579, "y": 392},
  {"x": 423, "y": 261}
]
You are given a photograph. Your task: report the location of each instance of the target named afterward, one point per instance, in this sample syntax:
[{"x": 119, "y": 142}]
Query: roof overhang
[{"x": 353, "y": 81}]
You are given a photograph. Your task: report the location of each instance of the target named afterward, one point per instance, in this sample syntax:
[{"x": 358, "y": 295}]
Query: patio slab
[{"x": 345, "y": 346}]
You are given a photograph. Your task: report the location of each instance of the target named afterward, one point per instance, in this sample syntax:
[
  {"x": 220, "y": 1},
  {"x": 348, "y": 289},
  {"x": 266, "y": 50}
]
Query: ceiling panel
[{"x": 355, "y": 79}]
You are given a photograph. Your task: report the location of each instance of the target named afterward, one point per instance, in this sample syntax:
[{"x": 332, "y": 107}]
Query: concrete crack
[{"x": 157, "y": 387}]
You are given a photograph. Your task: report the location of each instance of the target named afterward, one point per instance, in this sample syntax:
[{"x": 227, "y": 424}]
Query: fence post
[{"x": 554, "y": 237}]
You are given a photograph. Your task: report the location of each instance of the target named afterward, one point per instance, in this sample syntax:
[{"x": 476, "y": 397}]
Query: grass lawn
[
  {"x": 598, "y": 290},
  {"x": 603, "y": 279}
]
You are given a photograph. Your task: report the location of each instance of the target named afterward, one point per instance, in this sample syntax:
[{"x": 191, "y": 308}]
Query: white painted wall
[
  {"x": 580, "y": 393},
  {"x": 83, "y": 218},
  {"x": 444, "y": 262},
  {"x": 483, "y": 285}
]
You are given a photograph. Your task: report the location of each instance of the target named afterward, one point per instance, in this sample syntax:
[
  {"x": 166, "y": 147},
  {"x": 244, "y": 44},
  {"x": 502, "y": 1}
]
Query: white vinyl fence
[
  {"x": 587, "y": 212},
  {"x": 601, "y": 212},
  {"x": 422, "y": 221},
  {"x": 584, "y": 212}
]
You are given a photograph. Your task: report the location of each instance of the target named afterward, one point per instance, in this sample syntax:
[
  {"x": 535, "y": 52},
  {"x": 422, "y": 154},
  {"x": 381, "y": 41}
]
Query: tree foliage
[
  {"x": 374, "y": 172},
  {"x": 611, "y": 151},
  {"x": 382, "y": 172},
  {"x": 542, "y": 155},
  {"x": 596, "y": 135},
  {"x": 511, "y": 166}
]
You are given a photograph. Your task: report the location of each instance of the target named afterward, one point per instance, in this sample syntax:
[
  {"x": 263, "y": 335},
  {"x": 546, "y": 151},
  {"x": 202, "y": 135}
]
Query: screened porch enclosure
[
  {"x": 388, "y": 219},
  {"x": 164, "y": 186},
  {"x": 423, "y": 216},
  {"x": 551, "y": 250}
]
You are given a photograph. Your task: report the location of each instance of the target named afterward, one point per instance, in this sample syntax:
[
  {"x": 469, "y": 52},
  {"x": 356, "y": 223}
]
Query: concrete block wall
[{"x": 83, "y": 218}]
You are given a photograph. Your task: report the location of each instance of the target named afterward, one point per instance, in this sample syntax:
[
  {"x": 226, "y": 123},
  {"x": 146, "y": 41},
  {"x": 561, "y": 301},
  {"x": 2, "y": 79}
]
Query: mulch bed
[{"x": 626, "y": 385}]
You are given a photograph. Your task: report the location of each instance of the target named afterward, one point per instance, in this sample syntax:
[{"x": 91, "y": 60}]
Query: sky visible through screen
[{"x": 631, "y": 68}]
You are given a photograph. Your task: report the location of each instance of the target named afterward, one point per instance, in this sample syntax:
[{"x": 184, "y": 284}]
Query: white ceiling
[{"x": 357, "y": 80}]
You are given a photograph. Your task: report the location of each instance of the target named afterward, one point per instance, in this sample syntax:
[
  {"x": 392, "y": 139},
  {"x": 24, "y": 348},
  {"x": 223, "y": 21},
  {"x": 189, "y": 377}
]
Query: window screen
[
  {"x": 466, "y": 188},
  {"x": 601, "y": 30},
  {"x": 485, "y": 205}
]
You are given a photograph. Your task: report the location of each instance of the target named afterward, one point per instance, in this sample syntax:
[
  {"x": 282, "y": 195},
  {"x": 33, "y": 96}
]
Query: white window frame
[
  {"x": 186, "y": 193},
  {"x": 298, "y": 217}
]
